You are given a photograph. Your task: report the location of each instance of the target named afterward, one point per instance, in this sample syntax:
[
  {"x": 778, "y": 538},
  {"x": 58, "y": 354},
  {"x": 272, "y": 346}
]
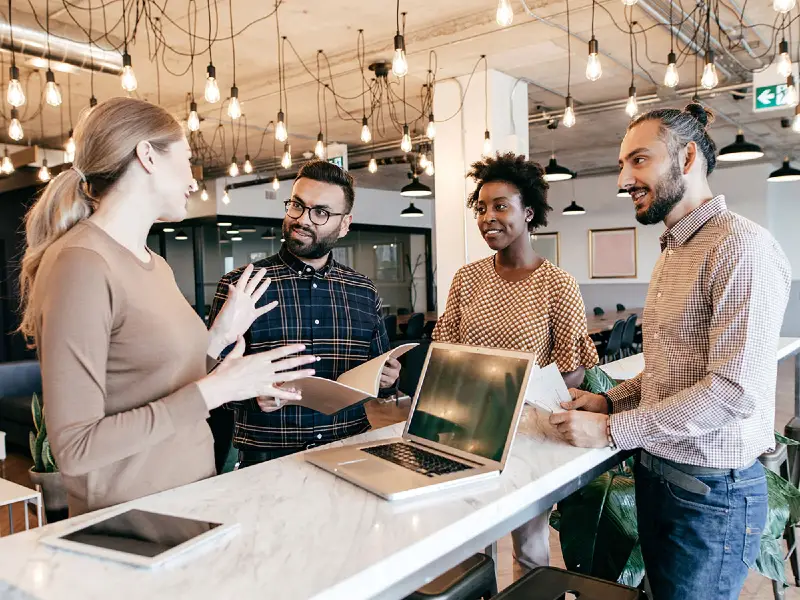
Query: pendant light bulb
[
  {"x": 286, "y": 160},
  {"x": 710, "y": 79},
  {"x": 405, "y": 145},
  {"x": 632, "y": 107},
  {"x": 226, "y": 199},
  {"x": 784, "y": 60},
  {"x": 423, "y": 160},
  {"x": 15, "y": 95},
  {"x": 569, "y": 113},
  {"x": 193, "y": 122},
  {"x": 6, "y": 166},
  {"x": 276, "y": 184},
  {"x": 505, "y": 14},
  {"x": 233, "y": 170},
  {"x": 399, "y": 62},
  {"x": 629, "y": 2},
  {"x": 204, "y": 194},
  {"x": 51, "y": 92},
  {"x": 234, "y": 107},
  {"x": 373, "y": 165},
  {"x": 430, "y": 132},
  {"x": 281, "y": 133},
  {"x": 69, "y": 149},
  {"x": 791, "y": 91},
  {"x": 366, "y": 134},
  {"x": 429, "y": 170},
  {"x": 594, "y": 70},
  {"x": 783, "y": 6},
  {"x": 487, "y": 143},
  {"x": 44, "y": 171},
  {"x": 248, "y": 166},
  {"x": 128, "y": 77},
  {"x": 671, "y": 77},
  {"x": 319, "y": 148},
  {"x": 796, "y": 120},
  {"x": 15, "y": 131},
  {"x": 212, "y": 94}
]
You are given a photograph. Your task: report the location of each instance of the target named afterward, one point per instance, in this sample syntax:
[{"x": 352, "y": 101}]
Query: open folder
[
  {"x": 546, "y": 388},
  {"x": 352, "y": 387}
]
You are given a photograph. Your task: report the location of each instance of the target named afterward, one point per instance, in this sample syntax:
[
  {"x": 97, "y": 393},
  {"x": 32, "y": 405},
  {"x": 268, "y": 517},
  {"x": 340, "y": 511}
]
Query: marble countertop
[
  {"x": 304, "y": 533},
  {"x": 630, "y": 366}
]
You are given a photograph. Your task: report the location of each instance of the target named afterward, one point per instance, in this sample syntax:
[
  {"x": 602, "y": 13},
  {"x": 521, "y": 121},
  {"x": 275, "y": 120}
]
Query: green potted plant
[{"x": 44, "y": 472}]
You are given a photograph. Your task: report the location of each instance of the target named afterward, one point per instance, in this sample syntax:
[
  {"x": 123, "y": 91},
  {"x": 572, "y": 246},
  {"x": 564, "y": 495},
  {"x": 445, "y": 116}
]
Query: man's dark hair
[
  {"x": 322, "y": 170},
  {"x": 679, "y": 127},
  {"x": 527, "y": 176}
]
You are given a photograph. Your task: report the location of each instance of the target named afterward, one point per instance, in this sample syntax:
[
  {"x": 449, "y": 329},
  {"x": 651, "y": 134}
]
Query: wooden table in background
[
  {"x": 606, "y": 322},
  {"x": 429, "y": 317}
]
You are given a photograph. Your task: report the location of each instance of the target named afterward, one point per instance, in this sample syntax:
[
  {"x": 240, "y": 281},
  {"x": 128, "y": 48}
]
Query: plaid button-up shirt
[
  {"x": 711, "y": 325},
  {"x": 336, "y": 313}
]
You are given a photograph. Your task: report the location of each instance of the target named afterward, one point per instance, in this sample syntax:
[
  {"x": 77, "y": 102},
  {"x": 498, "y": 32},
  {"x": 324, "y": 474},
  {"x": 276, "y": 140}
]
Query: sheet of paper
[
  {"x": 547, "y": 389},
  {"x": 353, "y": 387}
]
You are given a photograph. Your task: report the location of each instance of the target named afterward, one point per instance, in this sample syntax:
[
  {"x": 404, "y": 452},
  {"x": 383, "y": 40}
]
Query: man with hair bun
[{"x": 703, "y": 410}]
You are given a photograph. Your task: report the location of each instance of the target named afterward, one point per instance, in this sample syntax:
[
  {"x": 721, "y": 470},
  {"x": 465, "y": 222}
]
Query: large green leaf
[
  {"x": 782, "y": 439},
  {"x": 595, "y": 380},
  {"x": 598, "y": 529},
  {"x": 784, "y": 508}
]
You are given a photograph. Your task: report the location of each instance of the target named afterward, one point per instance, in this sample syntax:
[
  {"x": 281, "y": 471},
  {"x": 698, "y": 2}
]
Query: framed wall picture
[
  {"x": 612, "y": 253},
  {"x": 547, "y": 245}
]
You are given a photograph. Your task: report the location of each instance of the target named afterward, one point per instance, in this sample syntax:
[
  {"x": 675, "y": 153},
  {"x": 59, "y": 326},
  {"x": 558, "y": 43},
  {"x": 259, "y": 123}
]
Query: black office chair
[
  {"x": 390, "y": 322},
  {"x": 403, "y": 311},
  {"x": 613, "y": 349},
  {"x": 628, "y": 335},
  {"x": 416, "y": 325},
  {"x": 427, "y": 332},
  {"x": 620, "y": 307},
  {"x": 598, "y": 312}
]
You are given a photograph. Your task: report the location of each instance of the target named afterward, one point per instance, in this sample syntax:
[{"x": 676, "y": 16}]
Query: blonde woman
[{"x": 123, "y": 355}]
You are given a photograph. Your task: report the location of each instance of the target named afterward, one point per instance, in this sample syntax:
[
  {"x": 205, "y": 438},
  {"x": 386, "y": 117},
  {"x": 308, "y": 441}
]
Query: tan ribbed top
[{"x": 120, "y": 350}]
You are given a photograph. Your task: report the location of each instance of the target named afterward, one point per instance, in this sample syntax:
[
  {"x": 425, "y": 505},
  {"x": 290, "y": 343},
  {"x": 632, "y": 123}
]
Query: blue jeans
[{"x": 697, "y": 546}]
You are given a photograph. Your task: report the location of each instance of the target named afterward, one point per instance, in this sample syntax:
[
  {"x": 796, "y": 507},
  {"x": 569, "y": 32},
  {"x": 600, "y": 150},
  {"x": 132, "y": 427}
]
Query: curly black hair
[{"x": 527, "y": 176}]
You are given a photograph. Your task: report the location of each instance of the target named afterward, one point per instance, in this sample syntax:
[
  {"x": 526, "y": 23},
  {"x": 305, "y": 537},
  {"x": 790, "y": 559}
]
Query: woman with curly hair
[{"x": 516, "y": 299}]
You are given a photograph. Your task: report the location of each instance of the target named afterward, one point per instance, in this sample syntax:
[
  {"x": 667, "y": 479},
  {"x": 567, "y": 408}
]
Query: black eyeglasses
[{"x": 318, "y": 216}]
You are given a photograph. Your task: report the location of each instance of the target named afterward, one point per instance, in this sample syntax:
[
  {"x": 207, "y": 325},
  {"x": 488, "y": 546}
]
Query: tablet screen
[{"x": 140, "y": 533}]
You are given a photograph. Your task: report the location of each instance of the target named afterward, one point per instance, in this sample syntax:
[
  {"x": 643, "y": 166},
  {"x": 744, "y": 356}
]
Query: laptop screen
[{"x": 467, "y": 401}]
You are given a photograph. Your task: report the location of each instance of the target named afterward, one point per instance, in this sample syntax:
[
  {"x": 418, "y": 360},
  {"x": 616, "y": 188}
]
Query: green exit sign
[{"x": 770, "y": 97}]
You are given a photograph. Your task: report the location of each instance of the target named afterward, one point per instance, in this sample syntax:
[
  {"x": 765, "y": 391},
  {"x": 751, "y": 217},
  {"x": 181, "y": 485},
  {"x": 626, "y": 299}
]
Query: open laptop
[{"x": 460, "y": 428}]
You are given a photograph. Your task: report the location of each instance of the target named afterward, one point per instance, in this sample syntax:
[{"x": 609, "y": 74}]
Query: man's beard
[
  {"x": 314, "y": 247},
  {"x": 668, "y": 192}
]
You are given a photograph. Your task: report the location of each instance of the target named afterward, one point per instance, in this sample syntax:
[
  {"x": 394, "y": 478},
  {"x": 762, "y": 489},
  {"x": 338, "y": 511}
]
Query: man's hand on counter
[{"x": 581, "y": 428}]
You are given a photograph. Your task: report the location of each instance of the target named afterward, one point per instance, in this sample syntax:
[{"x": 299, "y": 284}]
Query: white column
[{"x": 459, "y": 143}]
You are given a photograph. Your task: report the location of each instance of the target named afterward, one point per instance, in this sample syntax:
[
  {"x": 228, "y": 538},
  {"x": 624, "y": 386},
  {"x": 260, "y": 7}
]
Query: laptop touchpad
[{"x": 370, "y": 466}]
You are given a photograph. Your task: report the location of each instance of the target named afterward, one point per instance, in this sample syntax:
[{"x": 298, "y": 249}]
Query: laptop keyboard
[{"x": 416, "y": 459}]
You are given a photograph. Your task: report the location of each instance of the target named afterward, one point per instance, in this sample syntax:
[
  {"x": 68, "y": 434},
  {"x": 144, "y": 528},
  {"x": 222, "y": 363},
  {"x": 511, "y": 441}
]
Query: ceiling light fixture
[
  {"x": 785, "y": 173},
  {"x": 399, "y": 62},
  {"x": 740, "y": 150}
]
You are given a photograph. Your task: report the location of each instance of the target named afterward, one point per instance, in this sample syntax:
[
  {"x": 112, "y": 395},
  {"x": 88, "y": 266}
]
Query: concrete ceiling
[{"x": 534, "y": 48}]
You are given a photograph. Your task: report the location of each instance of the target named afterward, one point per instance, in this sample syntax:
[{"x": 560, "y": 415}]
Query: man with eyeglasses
[{"x": 325, "y": 305}]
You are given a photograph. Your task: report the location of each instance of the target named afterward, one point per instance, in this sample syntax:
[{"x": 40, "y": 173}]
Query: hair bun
[{"x": 704, "y": 116}]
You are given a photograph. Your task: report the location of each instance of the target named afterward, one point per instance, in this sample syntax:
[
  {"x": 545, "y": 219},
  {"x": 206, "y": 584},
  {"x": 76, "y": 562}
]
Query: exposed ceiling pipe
[{"x": 68, "y": 45}]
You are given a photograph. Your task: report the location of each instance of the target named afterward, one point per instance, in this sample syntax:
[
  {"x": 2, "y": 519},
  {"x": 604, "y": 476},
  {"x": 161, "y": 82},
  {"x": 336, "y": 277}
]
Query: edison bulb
[
  {"x": 319, "y": 148},
  {"x": 44, "y": 171},
  {"x": 281, "y": 133},
  {"x": 233, "y": 170},
  {"x": 6, "y": 166},
  {"x": 193, "y": 122},
  {"x": 629, "y": 2},
  {"x": 429, "y": 169},
  {"x": 505, "y": 14},
  {"x": 796, "y": 123},
  {"x": 784, "y": 64},
  {"x": 248, "y": 166},
  {"x": 234, "y": 108},
  {"x": 430, "y": 132},
  {"x": 671, "y": 78},
  {"x": 366, "y": 134},
  {"x": 791, "y": 92},
  {"x": 204, "y": 194},
  {"x": 423, "y": 160},
  {"x": 783, "y": 6},
  {"x": 226, "y": 199},
  {"x": 15, "y": 95},
  {"x": 286, "y": 161},
  {"x": 373, "y": 165},
  {"x": 487, "y": 144},
  {"x": 399, "y": 62},
  {"x": 69, "y": 149},
  {"x": 569, "y": 116},
  {"x": 212, "y": 94},
  {"x": 405, "y": 144},
  {"x": 51, "y": 92},
  {"x": 632, "y": 106},
  {"x": 710, "y": 79},
  {"x": 15, "y": 131},
  {"x": 276, "y": 185},
  {"x": 128, "y": 77}
]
